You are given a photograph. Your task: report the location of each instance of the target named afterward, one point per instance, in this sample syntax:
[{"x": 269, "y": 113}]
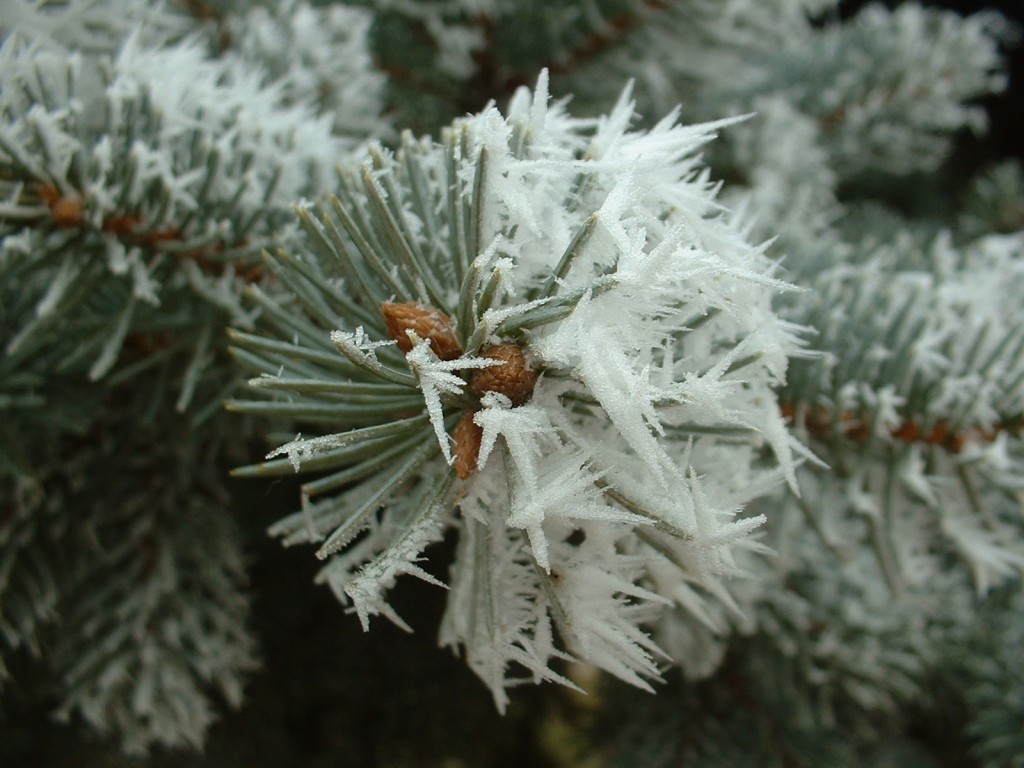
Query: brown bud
[
  {"x": 427, "y": 323},
  {"x": 466, "y": 436},
  {"x": 67, "y": 212},
  {"x": 908, "y": 432},
  {"x": 514, "y": 379},
  {"x": 48, "y": 193}
]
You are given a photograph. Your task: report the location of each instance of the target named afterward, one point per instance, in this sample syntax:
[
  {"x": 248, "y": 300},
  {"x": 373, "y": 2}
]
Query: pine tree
[{"x": 672, "y": 347}]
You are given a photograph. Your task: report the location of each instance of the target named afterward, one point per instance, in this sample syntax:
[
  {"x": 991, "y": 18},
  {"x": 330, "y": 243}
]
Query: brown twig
[
  {"x": 823, "y": 423},
  {"x": 67, "y": 212}
]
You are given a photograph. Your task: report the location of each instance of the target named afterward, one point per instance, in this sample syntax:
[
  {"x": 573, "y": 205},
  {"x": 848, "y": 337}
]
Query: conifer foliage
[
  {"x": 641, "y": 332},
  {"x": 570, "y": 296}
]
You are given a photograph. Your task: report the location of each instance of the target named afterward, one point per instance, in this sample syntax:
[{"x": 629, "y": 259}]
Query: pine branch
[{"x": 583, "y": 402}]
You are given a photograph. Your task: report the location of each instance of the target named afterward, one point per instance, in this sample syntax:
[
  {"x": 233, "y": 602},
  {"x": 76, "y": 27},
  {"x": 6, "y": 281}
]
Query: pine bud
[
  {"x": 428, "y": 323},
  {"x": 466, "y": 436},
  {"x": 515, "y": 379},
  {"x": 67, "y": 212}
]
